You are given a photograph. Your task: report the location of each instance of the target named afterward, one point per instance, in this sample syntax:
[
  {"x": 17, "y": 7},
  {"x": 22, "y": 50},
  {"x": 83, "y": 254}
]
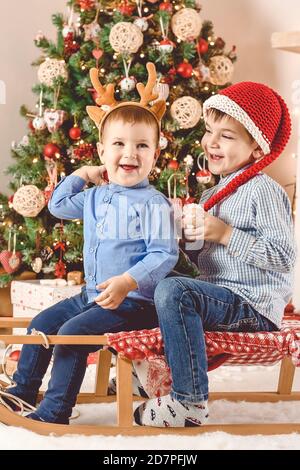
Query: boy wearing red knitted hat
[{"x": 248, "y": 254}]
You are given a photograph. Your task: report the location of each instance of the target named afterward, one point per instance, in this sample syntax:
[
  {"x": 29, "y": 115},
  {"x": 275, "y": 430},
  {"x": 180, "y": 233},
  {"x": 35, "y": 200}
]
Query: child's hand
[
  {"x": 115, "y": 291},
  {"x": 207, "y": 227},
  {"x": 92, "y": 174}
]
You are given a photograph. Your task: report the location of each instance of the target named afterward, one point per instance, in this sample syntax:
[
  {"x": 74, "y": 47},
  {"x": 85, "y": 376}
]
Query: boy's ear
[
  {"x": 257, "y": 153},
  {"x": 100, "y": 150},
  {"x": 156, "y": 155}
]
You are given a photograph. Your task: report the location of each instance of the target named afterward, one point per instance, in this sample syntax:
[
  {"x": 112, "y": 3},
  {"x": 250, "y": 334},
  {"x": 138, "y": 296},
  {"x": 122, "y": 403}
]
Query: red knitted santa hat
[{"x": 265, "y": 116}]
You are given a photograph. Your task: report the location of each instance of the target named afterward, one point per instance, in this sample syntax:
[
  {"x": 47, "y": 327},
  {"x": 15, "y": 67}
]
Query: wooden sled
[{"x": 125, "y": 398}]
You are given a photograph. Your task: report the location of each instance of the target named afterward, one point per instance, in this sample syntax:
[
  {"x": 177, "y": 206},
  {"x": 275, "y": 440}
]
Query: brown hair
[
  {"x": 132, "y": 114},
  {"x": 218, "y": 115}
]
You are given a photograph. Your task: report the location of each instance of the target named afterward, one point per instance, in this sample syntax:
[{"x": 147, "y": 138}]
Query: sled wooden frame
[{"x": 125, "y": 399}]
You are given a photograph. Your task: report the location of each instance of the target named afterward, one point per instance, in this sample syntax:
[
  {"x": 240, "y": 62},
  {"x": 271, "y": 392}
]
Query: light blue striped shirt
[
  {"x": 125, "y": 230},
  {"x": 258, "y": 262}
]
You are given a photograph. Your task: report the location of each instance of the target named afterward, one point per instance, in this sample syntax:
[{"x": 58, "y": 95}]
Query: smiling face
[
  {"x": 129, "y": 151},
  {"x": 227, "y": 145}
]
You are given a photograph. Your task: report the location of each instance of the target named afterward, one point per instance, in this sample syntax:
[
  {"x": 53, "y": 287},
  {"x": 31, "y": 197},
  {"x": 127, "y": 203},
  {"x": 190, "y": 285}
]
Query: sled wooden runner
[{"x": 125, "y": 399}]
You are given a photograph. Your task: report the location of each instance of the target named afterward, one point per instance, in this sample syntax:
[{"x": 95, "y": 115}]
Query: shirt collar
[
  {"x": 226, "y": 179},
  {"x": 118, "y": 187}
]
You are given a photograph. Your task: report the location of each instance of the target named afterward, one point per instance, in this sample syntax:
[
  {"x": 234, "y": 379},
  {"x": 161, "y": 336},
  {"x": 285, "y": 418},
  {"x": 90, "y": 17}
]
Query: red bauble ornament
[
  {"x": 173, "y": 165},
  {"x": 125, "y": 8},
  {"x": 50, "y": 150},
  {"x": 185, "y": 69},
  {"x": 202, "y": 46},
  {"x": 30, "y": 125},
  {"x": 166, "y": 6},
  {"x": 75, "y": 133},
  {"x": 86, "y": 5},
  {"x": 203, "y": 176},
  {"x": 14, "y": 355}
]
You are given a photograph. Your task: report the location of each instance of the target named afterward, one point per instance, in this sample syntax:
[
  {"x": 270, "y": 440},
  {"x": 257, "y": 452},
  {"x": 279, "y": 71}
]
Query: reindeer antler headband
[{"x": 106, "y": 101}]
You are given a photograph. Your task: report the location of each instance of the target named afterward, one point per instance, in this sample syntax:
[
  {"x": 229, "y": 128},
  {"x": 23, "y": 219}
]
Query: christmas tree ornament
[
  {"x": 189, "y": 161},
  {"x": 46, "y": 253},
  {"x": 126, "y": 8},
  {"x": 86, "y": 5},
  {"x": 173, "y": 165},
  {"x": 221, "y": 70},
  {"x": 166, "y": 46},
  {"x": 50, "y": 70},
  {"x": 166, "y": 6},
  {"x": 162, "y": 90},
  {"x": 232, "y": 53},
  {"x": 127, "y": 84},
  {"x": 202, "y": 46},
  {"x": 75, "y": 132},
  {"x": 185, "y": 69},
  {"x": 125, "y": 38},
  {"x": 202, "y": 72},
  {"x": 51, "y": 150},
  {"x": 29, "y": 200},
  {"x": 70, "y": 45},
  {"x": 37, "y": 265},
  {"x": 163, "y": 141},
  {"x": 186, "y": 24},
  {"x": 60, "y": 269},
  {"x": 91, "y": 31},
  {"x": 141, "y": 23},
  {"x": 39, "y": 123},
  {"x": 97, "y": 53},
  {"x": 203, "y": 176},
  {"x": 54, "y": 118},
  {"x": 186, "y": 111},
  {"x": 219, "y": 43},
  {"x": 11, "y": 260},
  {"x": 68, "y": 30}
]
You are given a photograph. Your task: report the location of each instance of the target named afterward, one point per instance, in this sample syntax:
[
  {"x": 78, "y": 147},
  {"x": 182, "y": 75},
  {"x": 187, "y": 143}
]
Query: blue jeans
[
  {"x": 73, "y": 316},
  {"x": 186, "y": 308}
]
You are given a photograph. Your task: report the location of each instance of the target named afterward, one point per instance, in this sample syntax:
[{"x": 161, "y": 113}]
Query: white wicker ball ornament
[
  {"x": 50, "y": 70},
  {"x": 221, "y": 70},
  {"x": 186, "y": 111},
  {"x": 186, "y": 24},
  {"x": 29, "y": 201},
  {"x": 125, "y": 37},
  {"x": 128, "y": 84}
]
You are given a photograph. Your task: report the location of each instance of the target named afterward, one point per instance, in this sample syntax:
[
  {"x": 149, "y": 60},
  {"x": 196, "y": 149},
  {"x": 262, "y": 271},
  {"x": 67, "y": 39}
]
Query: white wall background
[{"x": 246, "y": 23}]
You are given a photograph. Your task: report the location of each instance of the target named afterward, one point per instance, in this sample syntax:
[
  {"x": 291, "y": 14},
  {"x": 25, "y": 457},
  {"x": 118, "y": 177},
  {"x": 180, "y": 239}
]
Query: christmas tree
[{"x": 118, "y": 38}]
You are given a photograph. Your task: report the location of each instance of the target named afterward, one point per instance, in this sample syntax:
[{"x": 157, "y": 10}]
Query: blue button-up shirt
[
  {"x": 126, "y": 229},
  {"x": 258, "y": 262}
]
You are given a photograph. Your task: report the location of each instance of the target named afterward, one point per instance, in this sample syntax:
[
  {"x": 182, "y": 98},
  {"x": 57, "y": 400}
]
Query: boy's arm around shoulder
[
  {"x": 273, "y": 247},
  {"x": 158, "y": 231},
  {"x": 67, "y": 200}
]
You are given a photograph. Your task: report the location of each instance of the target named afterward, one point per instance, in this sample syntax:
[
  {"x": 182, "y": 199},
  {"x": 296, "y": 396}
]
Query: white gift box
[{"x": 31, "y": 297}]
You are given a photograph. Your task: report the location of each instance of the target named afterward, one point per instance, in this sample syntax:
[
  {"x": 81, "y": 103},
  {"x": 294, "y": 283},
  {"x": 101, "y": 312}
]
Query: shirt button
[
  {"x": 91, "y": 277},
  {"x": 92, "y": 250},
  {"x": 105, "y": 199},
  {"x": 98, "y": 225}
]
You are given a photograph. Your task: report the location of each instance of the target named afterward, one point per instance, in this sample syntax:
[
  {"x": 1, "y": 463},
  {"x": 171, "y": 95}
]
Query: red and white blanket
[{"x": 145, "y": 348}]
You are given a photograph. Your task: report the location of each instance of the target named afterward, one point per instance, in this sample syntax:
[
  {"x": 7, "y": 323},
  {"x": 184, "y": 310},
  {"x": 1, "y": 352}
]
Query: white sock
[
  {"x": 167, "y": 412},
  {"x": 137, "y": 388}
]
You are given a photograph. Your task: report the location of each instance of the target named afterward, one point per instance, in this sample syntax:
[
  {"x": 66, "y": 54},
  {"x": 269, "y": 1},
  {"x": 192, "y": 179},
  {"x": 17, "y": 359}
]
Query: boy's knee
[{"x": 166, "y": 291}]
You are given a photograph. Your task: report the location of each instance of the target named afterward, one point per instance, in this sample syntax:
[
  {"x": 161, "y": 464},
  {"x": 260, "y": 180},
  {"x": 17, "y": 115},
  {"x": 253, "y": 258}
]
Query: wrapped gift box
[{"x": 31, "y": 297}]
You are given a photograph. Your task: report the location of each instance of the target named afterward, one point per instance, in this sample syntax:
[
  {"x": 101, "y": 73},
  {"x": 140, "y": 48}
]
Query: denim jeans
[
  {"x": 73, "y": 316},
  {"x": 186, "y": 308}
]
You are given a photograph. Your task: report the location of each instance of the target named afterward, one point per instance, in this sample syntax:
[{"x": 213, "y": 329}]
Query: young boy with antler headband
[{"x": 129, "y": 246}]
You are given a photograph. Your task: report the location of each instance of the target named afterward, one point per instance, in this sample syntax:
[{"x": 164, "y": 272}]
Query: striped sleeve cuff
[{"x": 240, "y": 244}]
